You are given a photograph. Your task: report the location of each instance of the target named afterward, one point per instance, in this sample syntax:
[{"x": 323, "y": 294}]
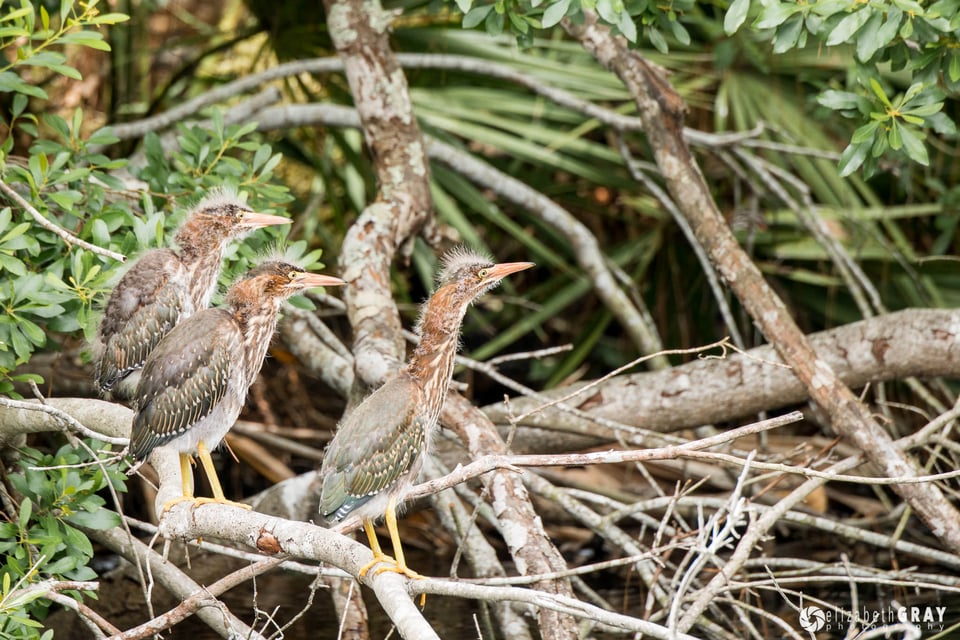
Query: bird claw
[
  {"x": 390, "y": 565},
  {"x": 397, "y": 568},
  {"x": 377, "y": 559}
]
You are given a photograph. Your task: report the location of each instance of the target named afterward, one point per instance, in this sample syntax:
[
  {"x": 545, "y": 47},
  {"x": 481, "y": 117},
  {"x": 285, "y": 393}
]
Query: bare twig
[
  {"x": 513, "y": 462},
  {"x": 49, "y": 226}
]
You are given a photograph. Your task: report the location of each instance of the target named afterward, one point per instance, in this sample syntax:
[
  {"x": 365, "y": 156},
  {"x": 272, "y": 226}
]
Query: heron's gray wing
[
  {"x": 184, "y": 378},
  {"x": 145, "y": 305},
  {"x": 374, "y": 445}
]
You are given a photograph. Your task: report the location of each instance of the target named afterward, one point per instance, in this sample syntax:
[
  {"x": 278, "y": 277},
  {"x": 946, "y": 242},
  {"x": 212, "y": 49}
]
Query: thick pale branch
[
  {"x": 358, "y": 29},
  {"x": 914, "y": 342},
  {"x": 97, "y": 416},
  {"x": 301, "y": 540}
]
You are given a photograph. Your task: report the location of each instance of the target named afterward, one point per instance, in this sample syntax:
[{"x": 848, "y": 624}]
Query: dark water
[{"x": 283, "y": 595}]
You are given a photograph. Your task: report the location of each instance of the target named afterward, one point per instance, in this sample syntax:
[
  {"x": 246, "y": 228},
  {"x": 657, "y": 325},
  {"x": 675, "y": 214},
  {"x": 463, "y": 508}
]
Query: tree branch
[
  {"x": 358, "y": 29},
  {"x": 661, "y": 108}
]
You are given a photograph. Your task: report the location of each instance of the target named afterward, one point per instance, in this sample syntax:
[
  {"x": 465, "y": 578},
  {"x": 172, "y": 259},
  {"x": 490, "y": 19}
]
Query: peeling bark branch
[
  {"x": 661, "y": 108},
  {"x": 301, "y": 540},
  {"x": 521, "y": 527},
  {"x": 358, "y": 29},
  {"x": 914, "y": 342},
  {"x": 110, "y": 419}
]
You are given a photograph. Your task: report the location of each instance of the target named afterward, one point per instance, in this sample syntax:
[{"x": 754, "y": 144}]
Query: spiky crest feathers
[{"x": 456, "y": 259}]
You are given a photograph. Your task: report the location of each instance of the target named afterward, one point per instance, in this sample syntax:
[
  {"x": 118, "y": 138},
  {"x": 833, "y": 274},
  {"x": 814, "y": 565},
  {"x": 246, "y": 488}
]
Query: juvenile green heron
[
  {"x": 165, "y": 286},
  {"x": 380, "y": 446},
  {"x": 194, "y": 382}
]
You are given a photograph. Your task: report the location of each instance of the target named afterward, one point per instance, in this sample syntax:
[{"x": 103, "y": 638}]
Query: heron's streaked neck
[
  {"x": 201, "y": 253},
  {"x": 257, "y": 320},
  {"x": 432, "y": 360}
]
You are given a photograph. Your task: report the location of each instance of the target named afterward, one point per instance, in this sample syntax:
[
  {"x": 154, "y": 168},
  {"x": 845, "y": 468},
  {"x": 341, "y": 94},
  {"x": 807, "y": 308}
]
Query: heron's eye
[
  {"x": 293, "y": 275},
  {"x": 482, "y": 274}
]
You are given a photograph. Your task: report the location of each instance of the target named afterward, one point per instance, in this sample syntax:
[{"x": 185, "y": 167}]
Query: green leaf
[
  {"x": 89, "y": 39},
  {"x": 736, "y": 14},
  {"x": 33, "y": 333},
  {"x": 868, "y": 39},
  {"x": 46, "y": 310},
  {"x": 12, "y": 83},
  {"x": 271, "y": 163},
  {"x": 848, "y": 26},
  {"x": 907, "y": 29},
  {"x": 913, "y": 145},
  {"x": 26, "y": 510},
  {"x": 627, "y": 27},
  {"x": 775, "y": 14},
  {"x": 838, "y": 100},
  {"x": 680, "y": 32},
  {"x": 555, "y": 13},
  {"x": 16, "y": 232},
  {"x": 852, "y": 158},
  {"x": 12, "y": 266},
  {"x": 953, "y": 67},
  {"x": 788, "y": 35},
  {"x": 894, "y": 135},
  {"x": 891, "y": 25},
  {"x": 924, "y": 110},
  {"x": 464, "y": 5},
  {"x": 476, "y": 15},
  {"x": 494, "y": 23},
  {"x": 657, "y": 40},
  {"x": 607, "y": 11},
  {"x": 19, "y": 104},
  {"x": 17, "y": 14},
  {"x": 99, "y": 519},
  {"x": 880, "y": 93},
  {"x": 109, "y": 18},
  {"x": 518, "y": 22}
]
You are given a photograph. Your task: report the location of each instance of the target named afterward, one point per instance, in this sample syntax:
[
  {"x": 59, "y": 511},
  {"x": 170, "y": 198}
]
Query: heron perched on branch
[
  {"x": 195, "y": 381},
  {"x": 379, "y": 447},
  {"x": 166, "y": 286}
]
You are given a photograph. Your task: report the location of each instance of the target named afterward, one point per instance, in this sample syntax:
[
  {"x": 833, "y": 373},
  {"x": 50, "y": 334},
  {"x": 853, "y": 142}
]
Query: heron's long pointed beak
[
  {"x": 311, "y": 280},
  {"x": 253, "y": 220},
  {"x": 504, "y": 269}
]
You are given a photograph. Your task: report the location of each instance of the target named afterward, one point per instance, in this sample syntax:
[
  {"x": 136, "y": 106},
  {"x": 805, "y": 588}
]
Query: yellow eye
[
  {"x": 293, "y": 275},
  {"x": 482, "y": 274}
]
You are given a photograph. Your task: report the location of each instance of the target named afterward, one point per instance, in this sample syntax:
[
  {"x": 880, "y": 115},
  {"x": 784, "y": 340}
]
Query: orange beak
[
  {"x": 504, "y": 269},
  {"x": 311, "y": 280},
  {"x": 254, "y": 220}
]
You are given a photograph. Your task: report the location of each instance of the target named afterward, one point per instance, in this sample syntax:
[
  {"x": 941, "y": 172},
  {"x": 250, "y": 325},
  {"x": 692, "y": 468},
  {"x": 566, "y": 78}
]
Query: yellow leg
[
  {"x": 378, "y": 554},
  {"x": 186, "y": 482},
  {"x": 211, "y": 472},
  {"x": 399, "y": 565}
]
